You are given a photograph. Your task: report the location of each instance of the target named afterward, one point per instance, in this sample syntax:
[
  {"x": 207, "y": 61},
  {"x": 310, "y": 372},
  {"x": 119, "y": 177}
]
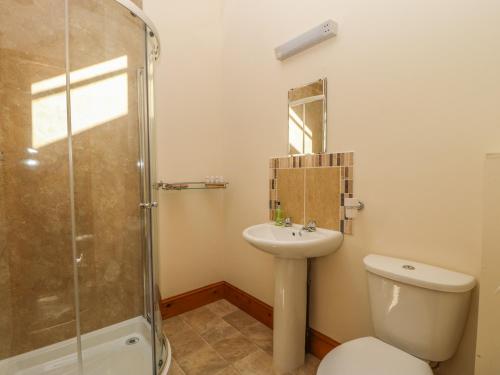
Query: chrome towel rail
[{"x": 193, "y": 185}]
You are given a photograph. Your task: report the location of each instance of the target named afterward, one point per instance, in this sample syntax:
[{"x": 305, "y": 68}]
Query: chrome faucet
[
  {"x": 310, "y": 227},
  {"x": 288, "y": 222}
]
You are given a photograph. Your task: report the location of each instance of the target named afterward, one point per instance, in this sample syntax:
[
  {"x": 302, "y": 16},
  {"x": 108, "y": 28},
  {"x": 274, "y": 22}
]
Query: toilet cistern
[{"x": 418, "y": 313}]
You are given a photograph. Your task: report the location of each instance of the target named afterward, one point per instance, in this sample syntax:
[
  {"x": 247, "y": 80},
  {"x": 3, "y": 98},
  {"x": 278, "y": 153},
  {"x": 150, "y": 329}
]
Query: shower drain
[{"x": 132, "y": 341}]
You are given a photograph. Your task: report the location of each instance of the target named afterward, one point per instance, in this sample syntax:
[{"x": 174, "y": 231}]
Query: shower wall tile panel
[{"x": 36, "y": 286}]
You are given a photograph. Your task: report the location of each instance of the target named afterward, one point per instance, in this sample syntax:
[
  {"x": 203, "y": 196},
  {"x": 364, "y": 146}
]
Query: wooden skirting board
[
  {"x": 317, "y": 343},
  {"x": 191, "y": 300}
]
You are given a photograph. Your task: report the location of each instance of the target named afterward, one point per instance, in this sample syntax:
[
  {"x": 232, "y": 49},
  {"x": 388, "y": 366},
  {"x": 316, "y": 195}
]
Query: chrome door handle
[{"x": 148, "y": 206}]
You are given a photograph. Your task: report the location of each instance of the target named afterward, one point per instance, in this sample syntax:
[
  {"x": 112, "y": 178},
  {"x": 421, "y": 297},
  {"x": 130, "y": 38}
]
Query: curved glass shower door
[
  {"x": 37, "y": 296},
  {"x": 77, "y": 249},
  {"x": 107, "y": 60}
]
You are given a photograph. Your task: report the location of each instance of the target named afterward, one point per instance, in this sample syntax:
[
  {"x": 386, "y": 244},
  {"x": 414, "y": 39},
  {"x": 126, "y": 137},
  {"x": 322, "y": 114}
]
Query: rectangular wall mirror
[{"x": 307, "y": 118}]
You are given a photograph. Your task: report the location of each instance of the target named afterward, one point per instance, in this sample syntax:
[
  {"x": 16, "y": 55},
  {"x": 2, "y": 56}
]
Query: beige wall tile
[
  {"x": 35, "y": 267},
  {"x": 291, "y": 193},
  {"x": 322, "y": 196}
]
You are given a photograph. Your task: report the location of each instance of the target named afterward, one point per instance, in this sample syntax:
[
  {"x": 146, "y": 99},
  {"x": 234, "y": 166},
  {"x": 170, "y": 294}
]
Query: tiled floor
[{"x": 220, "y": 339}]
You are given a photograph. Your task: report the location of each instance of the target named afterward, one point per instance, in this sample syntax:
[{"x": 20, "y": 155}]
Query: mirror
[{"x": 307, "y": 118}]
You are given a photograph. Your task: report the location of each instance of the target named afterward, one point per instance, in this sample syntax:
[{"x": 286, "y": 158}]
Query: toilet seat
[{"x": 370, "y": 356}]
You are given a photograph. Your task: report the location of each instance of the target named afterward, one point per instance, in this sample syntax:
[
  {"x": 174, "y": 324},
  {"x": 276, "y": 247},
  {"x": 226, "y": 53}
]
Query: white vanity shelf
[{"x": 198, "y": 185}]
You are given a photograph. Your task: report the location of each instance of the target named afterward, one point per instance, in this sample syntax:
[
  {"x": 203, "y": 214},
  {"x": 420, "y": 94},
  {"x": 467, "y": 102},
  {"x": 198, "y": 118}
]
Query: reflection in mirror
[{"x": 307, "y": 118}]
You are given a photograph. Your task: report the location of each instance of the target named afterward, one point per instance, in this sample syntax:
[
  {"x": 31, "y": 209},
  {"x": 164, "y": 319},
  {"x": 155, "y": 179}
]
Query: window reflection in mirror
[{"x": 307, "y": 118}]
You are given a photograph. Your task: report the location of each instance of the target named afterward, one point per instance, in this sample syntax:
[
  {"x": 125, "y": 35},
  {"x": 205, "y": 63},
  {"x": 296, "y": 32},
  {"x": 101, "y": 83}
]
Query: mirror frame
[{"x": 325, "y": 113}]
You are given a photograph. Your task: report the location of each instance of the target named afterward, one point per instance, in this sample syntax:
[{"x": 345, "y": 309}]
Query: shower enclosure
[{"x": 78, "y": 284}]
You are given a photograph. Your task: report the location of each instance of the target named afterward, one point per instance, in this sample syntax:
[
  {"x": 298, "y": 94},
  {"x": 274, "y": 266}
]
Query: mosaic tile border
[{"x": 342, "y": 160}]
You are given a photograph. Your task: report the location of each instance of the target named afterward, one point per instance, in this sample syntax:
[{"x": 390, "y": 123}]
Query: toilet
[{"x": 418, "y": 313}]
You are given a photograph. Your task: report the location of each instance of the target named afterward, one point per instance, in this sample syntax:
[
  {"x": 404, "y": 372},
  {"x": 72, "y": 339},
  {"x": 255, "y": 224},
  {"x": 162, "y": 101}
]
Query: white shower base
[{"x": 104, "y": 353}]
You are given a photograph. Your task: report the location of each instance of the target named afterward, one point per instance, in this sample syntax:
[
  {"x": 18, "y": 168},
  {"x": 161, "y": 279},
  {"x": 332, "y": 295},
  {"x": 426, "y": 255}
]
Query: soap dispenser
[{"x": 278, "y": 215}]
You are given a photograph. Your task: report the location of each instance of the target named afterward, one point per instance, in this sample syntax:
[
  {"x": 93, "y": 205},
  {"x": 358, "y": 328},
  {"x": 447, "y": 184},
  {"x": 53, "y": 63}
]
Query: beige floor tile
[
  {"x": 235, "y": 348},
  {"x": 228, "y": 371},
  {"x": 203, "y": 343},
  {"x": 204, "y": 361},
  {"x": 175, "y": 369},
  {"x": 240, "y": 320},
  {"x": 222, "y": 331},
  {"x": 257, "y": 363},
  {"x": 201, "y": 319},
  {"x": 186, "y": 343},
  {"x": 222, "y": 307},
  {"x": 261, "y": 335},
  {"x": 310, "y": 366},
  {"x": 175, "y": 326}
]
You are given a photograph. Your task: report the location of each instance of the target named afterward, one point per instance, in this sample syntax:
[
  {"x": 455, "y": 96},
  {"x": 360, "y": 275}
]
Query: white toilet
[{"x": 418, "y": 312}]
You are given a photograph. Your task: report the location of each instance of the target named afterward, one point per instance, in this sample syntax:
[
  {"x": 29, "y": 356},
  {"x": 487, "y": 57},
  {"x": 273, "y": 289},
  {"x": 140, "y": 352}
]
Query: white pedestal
[{"x": 290, "y": 303}]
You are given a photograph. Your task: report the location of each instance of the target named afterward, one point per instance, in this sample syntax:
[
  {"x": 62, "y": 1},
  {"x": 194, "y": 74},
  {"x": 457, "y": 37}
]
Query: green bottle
[{"x": 278, "y": 215}]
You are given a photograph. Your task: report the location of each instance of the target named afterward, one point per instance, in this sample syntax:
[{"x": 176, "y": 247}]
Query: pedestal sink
[{"x": 291, "y": 246}]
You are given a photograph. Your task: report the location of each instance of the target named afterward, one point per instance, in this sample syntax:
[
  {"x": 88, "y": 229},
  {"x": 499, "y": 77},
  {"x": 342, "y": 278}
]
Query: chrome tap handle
[
  {"x": 311, "y": 226},
  {"x": 288, "y": 222}
]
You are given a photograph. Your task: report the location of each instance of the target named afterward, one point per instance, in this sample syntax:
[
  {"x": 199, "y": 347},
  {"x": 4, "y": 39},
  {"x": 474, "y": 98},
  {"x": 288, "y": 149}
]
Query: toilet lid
[{"x": 370, "y": 356}]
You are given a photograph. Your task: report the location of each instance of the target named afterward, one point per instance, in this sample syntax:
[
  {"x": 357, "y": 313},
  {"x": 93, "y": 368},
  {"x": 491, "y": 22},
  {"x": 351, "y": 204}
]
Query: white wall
[
  {"x": 488, "y": 344},
  {"x": 413, "y": 91},
  {"x": 189, "y": 129}
]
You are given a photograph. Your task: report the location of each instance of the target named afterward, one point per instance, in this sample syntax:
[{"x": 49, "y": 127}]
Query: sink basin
[
  {"x": 293, "y": 242},
  {"x": 291, "y": 247}
]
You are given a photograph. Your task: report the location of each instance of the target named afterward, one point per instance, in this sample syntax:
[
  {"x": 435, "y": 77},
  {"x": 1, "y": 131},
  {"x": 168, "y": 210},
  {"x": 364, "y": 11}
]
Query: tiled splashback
[{"x": 313, "y": 187}]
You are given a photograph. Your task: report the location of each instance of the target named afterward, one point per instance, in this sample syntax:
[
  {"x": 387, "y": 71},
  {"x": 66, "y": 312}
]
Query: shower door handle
[{"x": 148, "y": 206}]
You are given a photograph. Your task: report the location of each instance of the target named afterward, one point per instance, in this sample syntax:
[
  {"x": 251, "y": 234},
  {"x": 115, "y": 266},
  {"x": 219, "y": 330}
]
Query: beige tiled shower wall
[
  {"x": 313, "y": 187},
  {"x": 36, "y": 263},
  {"x": 36, "y": 251}
]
